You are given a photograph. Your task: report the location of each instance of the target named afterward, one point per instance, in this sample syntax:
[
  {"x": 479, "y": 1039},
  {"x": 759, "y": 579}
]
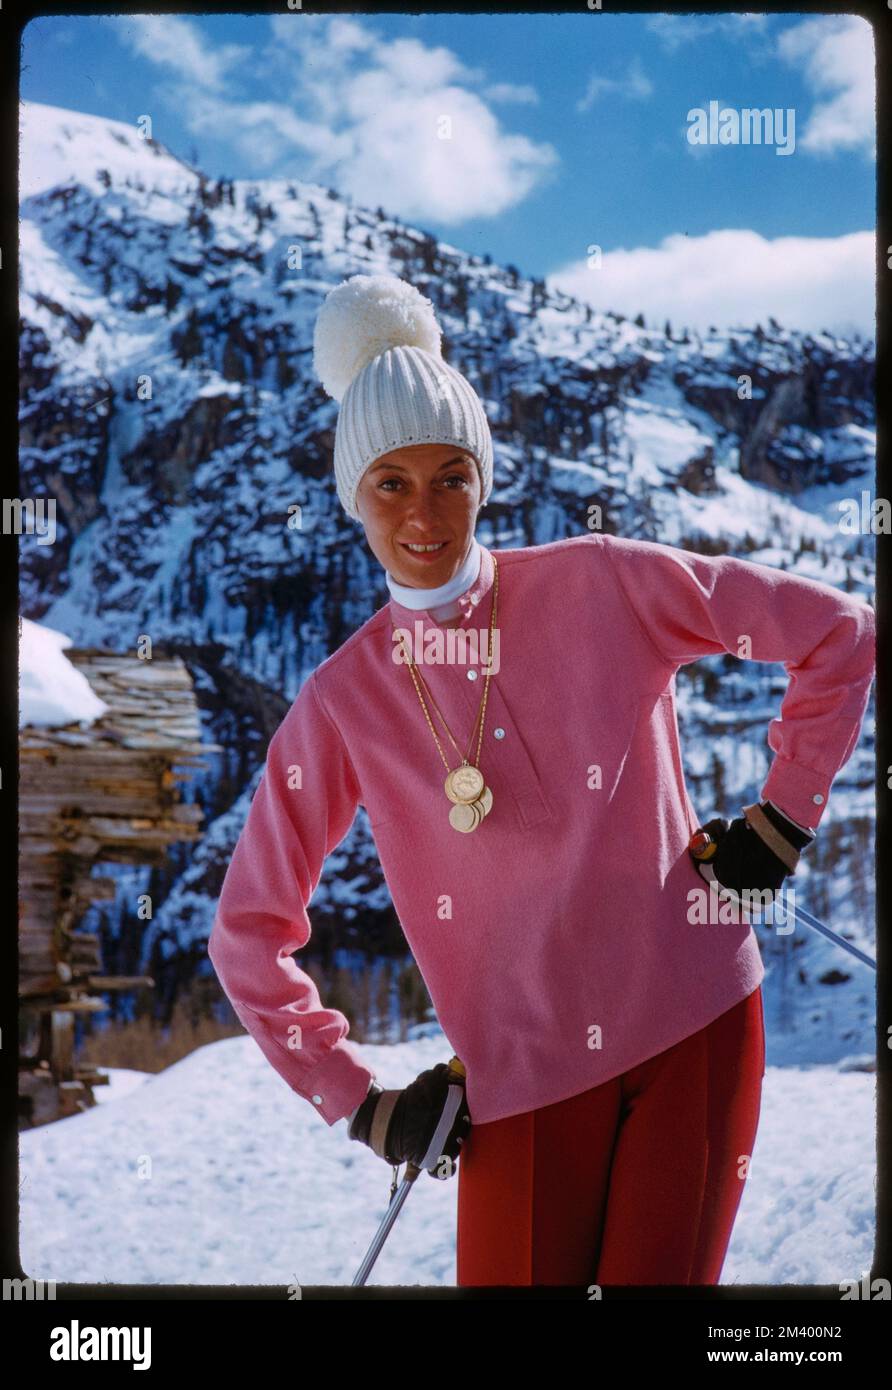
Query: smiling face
[{"x": 421, "y": 495}]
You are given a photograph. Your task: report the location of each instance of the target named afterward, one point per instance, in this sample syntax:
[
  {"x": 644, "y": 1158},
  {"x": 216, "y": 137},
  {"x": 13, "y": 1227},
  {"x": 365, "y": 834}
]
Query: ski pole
[
  {"x": 434, "y": 1153},
  {"x": 813, "y": 922},
  {"x": 703, "y": 847}
]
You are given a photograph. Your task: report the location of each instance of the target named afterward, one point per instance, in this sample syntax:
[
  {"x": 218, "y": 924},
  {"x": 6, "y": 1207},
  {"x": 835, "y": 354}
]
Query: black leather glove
[
  {"x": 748, "y": 854},
  {"x": 400, "y": 1126}
]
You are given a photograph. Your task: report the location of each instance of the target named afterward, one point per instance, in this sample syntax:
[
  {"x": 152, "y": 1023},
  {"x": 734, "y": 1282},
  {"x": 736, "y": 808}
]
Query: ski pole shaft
[
  {"x": 813, "y": 922},
  {"x": 391, "y": 1214}
]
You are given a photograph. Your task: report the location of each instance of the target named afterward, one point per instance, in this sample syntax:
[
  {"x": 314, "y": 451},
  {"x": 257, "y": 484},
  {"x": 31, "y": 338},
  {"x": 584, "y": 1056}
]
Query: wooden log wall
[{"x": 107, "y": 792}]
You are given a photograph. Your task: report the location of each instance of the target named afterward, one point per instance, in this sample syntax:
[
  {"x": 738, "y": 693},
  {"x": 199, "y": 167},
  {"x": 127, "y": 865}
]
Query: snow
[
  {"x": 808, "y": 1211},
  {"x": 214, "y": 1172},
  {"x": 662, "y": 441},
  {"x": 60, "y": 148},
  {"x": 52, "y": 691},
  {"x": 121, "y": 1081},
  {"x": 219, "y": 387}
]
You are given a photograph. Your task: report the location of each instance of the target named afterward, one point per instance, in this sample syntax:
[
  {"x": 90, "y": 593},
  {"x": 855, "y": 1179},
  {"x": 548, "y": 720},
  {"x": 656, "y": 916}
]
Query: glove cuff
[
  {"x": 787, "y": 825},
  {"x": 765, "y": 825},
  {"x": 380, "y": 1122},
  {"x": 361, "y": 1123}
]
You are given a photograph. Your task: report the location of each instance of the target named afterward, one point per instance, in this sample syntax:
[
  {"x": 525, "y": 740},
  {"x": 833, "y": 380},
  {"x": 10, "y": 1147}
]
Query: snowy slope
[
  {"x": 248, "y": 1185},
  {"x": 56, "y": 144}
]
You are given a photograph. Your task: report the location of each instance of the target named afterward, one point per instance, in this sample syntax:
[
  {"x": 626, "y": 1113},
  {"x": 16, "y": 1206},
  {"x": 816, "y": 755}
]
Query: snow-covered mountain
[{"x": 168, "y": 404}]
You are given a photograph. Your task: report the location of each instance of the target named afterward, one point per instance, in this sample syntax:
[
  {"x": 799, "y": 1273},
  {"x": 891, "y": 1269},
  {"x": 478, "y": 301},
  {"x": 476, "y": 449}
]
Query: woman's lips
[{"x": 425, "y": 554}]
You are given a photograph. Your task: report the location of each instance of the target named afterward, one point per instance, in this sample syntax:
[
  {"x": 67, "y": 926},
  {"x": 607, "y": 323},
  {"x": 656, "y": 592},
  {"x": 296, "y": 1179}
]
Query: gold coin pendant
[{"x": 464, "y": 783}]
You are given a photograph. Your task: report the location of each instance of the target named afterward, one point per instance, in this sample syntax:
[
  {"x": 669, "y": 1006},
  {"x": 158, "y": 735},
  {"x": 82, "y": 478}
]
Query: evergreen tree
[{"x": 717, "y": 777}]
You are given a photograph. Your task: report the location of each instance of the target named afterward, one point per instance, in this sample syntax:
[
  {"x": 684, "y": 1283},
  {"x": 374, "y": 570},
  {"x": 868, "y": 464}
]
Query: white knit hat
[{"x": 376, "y": 349}]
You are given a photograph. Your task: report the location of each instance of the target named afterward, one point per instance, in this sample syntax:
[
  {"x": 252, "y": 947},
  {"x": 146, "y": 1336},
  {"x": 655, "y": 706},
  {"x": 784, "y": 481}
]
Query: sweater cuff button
[
  {"x": 818, "y": 799},
  {"x": 317, "y": 1100}
]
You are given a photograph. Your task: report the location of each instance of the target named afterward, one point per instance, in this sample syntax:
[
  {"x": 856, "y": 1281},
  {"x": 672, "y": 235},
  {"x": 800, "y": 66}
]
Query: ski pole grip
[
  {"x": 457, "y": 1067},
  {"x": 702, "y": 845}
]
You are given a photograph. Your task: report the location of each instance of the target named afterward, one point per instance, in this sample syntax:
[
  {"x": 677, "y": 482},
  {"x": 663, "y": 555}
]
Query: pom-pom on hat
[{"x": 376, "y": 350}]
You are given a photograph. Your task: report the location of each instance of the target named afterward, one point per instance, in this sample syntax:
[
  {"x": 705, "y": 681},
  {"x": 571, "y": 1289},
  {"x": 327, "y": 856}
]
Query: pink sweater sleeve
[
  {"x": 689, "y": 605},
  {"x": 302, "y": 809}
]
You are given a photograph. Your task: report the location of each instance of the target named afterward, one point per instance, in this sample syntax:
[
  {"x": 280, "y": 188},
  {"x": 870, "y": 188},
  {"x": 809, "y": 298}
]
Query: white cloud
[
  {"x": 736, "y": 277},
  {"x": 175, "y": 43},
  {"x": 835, "y": 54},
  {"x": 512, "y": 91},
  {"x": 344, "y": 35},
  {"x": 369, "y": 117},
  {"x": 636, "y": 84},
  {"x": 265, "y": 132},
  {"x": 478, "y": 171},
  {"x": 674, "y": 31},
  {"x": 386, "y": 118}
]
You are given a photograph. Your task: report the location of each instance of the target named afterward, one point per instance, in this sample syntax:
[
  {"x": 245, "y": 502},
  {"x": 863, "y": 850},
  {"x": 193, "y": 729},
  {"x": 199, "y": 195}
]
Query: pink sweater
[{"x": 555, "y": 939}]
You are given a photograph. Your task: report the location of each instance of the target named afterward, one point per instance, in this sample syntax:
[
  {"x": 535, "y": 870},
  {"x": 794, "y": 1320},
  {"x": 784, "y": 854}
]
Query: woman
[{"x": 532, "y": 822}]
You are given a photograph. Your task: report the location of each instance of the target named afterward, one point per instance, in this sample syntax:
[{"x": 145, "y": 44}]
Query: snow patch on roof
[{"x": 52, "y": 692}]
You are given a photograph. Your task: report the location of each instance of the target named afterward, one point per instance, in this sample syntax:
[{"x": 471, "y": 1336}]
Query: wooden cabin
[{"x": 107, "y": 792}]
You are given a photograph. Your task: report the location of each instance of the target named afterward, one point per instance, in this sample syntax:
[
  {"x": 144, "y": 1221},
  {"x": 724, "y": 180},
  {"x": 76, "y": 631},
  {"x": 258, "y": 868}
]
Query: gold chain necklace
[{"x": 470, "y": 796}]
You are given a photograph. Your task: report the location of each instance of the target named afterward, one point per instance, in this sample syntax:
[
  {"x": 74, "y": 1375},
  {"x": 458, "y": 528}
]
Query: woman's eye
[{"x": 451, "y": 478}]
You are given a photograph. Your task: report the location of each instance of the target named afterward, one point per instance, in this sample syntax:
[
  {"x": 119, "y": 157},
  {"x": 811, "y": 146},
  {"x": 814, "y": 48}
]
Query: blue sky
[{"x": 565, "y": 132}]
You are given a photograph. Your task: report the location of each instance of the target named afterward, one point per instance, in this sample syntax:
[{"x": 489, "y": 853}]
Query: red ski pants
[{"x": 636, "y": 1181}]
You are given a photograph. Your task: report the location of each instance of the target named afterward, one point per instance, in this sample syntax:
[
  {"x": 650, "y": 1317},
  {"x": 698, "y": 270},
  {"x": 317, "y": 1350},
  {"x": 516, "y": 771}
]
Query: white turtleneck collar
[{"x": 445, "y": 595}]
